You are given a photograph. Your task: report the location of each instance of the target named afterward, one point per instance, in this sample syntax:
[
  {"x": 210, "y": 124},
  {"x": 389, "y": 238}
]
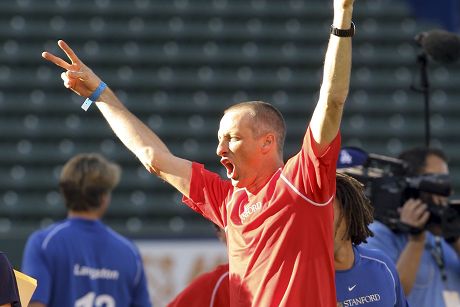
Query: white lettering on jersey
[
  {"x": 250, "y": 209},
  {"x": 95, "y": 273},
  {"x": 362, "y": 300},
  {"x": 90, "y": 299}
]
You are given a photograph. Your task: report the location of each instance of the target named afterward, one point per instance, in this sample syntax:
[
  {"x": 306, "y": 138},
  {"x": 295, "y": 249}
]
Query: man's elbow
[
  {"x": 335, "y": 98},
  {"x": 338, "y": 98},
  {"x": 150, "y": 167},
  {"x": 334, "y": 106},
  {"x": 148, "y": 158}
]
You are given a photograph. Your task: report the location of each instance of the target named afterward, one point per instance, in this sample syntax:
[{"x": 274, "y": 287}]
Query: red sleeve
[
  {"x": 208, "y": 194},
  {"x": 313, "y": 175},
  {"x": 211, "y": 287}
]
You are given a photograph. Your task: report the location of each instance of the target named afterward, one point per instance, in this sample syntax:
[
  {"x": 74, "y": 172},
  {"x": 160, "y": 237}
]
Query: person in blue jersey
[
  {"x": 364, "y": 277},
  {"x": 428, "y": 262},
  {"x": 80, "y": 261},
  {"x": 9, "y": 294}
]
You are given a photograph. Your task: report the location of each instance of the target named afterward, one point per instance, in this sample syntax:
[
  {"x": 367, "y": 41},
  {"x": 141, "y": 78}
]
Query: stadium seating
[{"x": 177, "y": 65}]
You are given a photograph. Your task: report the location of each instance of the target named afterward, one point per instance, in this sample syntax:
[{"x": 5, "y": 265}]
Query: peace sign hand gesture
[{"x": 78, "y": 77}]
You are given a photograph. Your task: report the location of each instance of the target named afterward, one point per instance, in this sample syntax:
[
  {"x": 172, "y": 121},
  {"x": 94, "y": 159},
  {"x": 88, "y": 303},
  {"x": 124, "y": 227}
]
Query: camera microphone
[{"x": 442, "y": 46}]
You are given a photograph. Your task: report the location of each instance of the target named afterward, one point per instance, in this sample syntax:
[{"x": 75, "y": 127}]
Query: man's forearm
[
  {"x": 337, "y": 64},
  {"x": 409, "y": 262},
  {"x": 144, "y": 143},
  {"x": 336, "y": 81}
]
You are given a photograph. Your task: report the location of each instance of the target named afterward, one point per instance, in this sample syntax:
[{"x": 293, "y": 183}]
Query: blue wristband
[{"x": 94, "y": 96}]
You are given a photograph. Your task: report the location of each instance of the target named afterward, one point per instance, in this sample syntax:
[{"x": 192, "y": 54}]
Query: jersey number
[{"x": 91, "y": 300}]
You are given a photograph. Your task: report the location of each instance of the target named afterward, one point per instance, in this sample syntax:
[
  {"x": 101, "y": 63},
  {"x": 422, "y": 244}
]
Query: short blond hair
[
  {"x": 265, "y": 118},
  {"x": 85, "y": 178}
]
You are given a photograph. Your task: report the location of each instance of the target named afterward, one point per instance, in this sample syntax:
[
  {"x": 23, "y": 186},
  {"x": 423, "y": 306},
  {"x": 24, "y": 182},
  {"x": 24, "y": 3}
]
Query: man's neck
[
  {"x": 344, "y": 256},
  {"x": 87, "y": 215},
  {"x": 264, "y": 175}
]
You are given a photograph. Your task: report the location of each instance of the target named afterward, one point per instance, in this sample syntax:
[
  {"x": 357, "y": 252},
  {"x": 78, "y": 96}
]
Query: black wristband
[{"x": 343, "y": 33}]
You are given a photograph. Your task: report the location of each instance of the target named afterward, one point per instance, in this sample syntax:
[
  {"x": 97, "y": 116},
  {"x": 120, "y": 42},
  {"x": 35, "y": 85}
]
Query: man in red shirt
[
  {"x": 208, "y": 289},
  {"x": 278, "y": 216}
]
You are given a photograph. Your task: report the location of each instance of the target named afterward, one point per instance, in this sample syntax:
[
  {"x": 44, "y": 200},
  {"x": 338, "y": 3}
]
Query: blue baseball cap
[{"x": 351, "y": 157}]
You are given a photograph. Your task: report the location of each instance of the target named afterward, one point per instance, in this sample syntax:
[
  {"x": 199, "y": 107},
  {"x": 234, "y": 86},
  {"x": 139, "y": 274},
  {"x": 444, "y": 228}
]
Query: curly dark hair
[{"x": 355, "y": 207}]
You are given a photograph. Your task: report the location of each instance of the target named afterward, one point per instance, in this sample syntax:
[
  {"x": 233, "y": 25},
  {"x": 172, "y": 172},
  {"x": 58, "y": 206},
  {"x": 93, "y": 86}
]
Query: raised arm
[
  {"x": 327, "y": 115},
  {"x": 140, "y": 139}
]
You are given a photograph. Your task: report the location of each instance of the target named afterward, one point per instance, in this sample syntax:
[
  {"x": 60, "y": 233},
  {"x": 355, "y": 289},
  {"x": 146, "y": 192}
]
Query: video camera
[{"x": 388, "y": 187}]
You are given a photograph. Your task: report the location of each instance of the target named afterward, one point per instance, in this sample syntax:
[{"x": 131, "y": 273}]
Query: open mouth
[{"x": 228, "y": 166}]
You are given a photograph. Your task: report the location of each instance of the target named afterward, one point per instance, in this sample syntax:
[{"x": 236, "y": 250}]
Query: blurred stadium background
[{"x": 177, "y": 65}]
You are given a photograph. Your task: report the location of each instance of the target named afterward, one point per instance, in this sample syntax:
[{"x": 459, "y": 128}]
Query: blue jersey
[
  {"x": 372, "y": 281},
  {"x": 83, "y": 263},
  {"x": 429, "y": 287}
]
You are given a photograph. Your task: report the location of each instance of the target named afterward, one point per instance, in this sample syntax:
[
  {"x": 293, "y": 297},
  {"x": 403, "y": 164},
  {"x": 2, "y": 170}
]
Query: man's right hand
[
  {"x": 414, "y": 213},
  {"x": 78, "y": 77}
]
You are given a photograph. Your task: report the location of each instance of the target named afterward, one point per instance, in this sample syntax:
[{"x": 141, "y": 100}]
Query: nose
[{"x": 222, "y": 148}]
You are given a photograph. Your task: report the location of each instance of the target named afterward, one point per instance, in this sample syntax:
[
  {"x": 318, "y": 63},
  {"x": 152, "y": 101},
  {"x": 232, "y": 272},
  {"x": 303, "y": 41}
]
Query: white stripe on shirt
[
  {"x": 389, "y": 271},
  {"x": 53, "y": 233},
  {"x": 303, "y": 196},
  {"x": 214, "y": 291}
]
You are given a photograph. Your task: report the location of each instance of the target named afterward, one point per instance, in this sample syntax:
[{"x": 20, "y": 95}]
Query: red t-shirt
[
  {"x": 209, "y": 289},
  {"x": 281, "y": 242}
]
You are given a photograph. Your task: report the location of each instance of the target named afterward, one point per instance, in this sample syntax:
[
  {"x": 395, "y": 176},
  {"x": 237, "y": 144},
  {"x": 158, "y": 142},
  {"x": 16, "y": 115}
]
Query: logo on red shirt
[{"x": 250, "y": 209}]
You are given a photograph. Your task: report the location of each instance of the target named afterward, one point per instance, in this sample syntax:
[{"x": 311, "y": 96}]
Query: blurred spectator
[
  {"x": 428, "y": 265},
  {"x": 9, "y": 295},
  {"x": 80, "y": 261}
]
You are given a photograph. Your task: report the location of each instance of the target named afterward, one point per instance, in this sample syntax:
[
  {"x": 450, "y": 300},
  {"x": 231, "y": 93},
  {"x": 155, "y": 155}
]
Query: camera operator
[{"x": 428, "y": 264}]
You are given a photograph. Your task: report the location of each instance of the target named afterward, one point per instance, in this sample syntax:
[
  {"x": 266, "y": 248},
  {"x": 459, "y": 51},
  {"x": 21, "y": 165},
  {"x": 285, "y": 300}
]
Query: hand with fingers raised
[{"x": 78, "y": 77}]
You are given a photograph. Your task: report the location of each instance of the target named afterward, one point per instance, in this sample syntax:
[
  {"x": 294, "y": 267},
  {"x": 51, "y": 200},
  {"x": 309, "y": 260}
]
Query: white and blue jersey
[
  {"x": 372, "y": 281},
  {"x": 83, "y": 263},
  {"x": 433, "y": 286}
]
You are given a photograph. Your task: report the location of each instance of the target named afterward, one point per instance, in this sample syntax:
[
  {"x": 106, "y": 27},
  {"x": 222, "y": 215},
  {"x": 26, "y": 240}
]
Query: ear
[
  {"x": 269, "y": 142},
  {"x": 105, "y": 199}
]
